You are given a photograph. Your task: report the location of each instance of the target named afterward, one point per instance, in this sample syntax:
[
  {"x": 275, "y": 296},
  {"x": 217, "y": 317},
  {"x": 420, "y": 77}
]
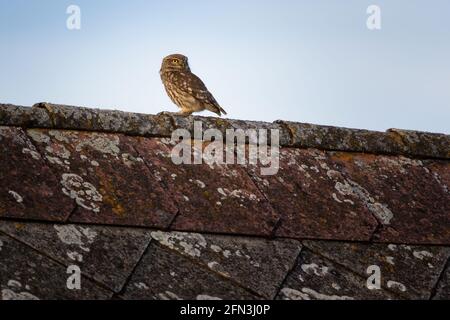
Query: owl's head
[{"x": 175, "y": 62}]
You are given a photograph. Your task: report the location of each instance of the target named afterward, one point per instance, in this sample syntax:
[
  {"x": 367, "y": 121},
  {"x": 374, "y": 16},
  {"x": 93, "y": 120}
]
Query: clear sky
[{"x": 307, "y": 61}]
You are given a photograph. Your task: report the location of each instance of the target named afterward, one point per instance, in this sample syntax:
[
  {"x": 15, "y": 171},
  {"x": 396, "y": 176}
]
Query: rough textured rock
[
  {"x": 28, "y": 275},
  {"x": 441, "y": 172},
  {"x": 316, "y": 278},
  {"x": 256, "y": 264},
  {"x": 106, "y": 254},
  {"x": 222, "y": 125},
  {"x": 443, "y": 287},
  {"x": 424, "y": 144},
  {"x": 110, "y": 199},
  {"x": 292, "y": 134},
  {"x": 165, "y": 275},
  {"x": 307, "y": 192},
  {"x": 410, "y": 203},
  {"x": 394, "y": 141},
  {"x": 79, "y": 118},
  {"x": 105, "y": 176},
  {"x": 410, "y": 271},
  {"x": 18, "y": 116},
  {"x": 28, "y": 188},
  {"x": 211, "y": 198},
  {"x": 334, "y": 138}
]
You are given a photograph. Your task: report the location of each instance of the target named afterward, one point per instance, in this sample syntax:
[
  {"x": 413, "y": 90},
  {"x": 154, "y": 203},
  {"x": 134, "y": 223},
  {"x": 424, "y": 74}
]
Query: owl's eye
[{"x": 175, "y": 61}]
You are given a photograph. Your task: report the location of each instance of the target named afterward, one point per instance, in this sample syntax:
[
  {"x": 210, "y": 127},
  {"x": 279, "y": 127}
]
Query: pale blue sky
[{"x": 308, "y": 61}]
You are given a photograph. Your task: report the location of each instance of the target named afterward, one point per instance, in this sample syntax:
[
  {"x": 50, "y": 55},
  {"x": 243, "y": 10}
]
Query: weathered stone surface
[
  {"x": 316, "y": 278},
  {"x": 443, "y": 286},
  {"x": 106, "y": 254},
  {"x": 27, "y": 275},
  {"x": 256, "y": 264},
  {"x": 18, "y": 116},
  {"x": 223, "y": 125},
  {"x": 211, "y": 198},
  {"x": 410, "y": 203},
  {"x": 410, "y": 271},
  {"x": 307, "y": 192},
  {"x": 441, "y": 172},
  {"x": 344, "y": 139},
  {"x": 28, "y": 188},
  {"x": 394, "y": 141},
  {"x": 55, "y": 116},
  {"x": 284, "y": 135},
  {"x": 105, "y": 176},
  {"x": 79, "y": 118},
  {"x": 292, "y": 134},
  {"x": 424, "y": 144},
  {"x": 166, "y": 275}
]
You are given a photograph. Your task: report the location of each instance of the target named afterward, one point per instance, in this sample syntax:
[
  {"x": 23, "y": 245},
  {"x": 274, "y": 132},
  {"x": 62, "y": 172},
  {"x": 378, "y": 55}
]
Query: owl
[{"x": 185, "y": 89}]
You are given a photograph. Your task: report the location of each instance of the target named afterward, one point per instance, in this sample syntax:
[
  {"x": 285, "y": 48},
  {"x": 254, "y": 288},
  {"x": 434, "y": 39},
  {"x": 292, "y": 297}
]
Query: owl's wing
[{"x": 193, "y": 85}]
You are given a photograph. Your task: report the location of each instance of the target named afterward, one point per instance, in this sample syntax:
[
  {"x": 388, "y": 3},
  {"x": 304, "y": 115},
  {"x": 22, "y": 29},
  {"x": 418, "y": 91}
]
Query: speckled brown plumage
[{"x": 185, "y": 89}]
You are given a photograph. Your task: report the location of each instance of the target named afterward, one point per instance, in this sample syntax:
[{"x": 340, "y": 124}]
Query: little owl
[{"x": 185, "y": 89}]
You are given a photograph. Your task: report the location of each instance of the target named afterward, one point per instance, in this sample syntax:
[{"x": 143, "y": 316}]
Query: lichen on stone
[{"x": 84, "y": 193}]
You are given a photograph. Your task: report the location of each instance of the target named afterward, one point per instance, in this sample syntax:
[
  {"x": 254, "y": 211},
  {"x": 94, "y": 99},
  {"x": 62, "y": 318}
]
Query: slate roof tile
[
  {"x": 166, "y": 275},
  {"x": 216, "y": 198},
  {"x": 27, "y": 275},
  {"x": 441, "y": 172},
  {"x": 317, "y": 278},
  {"x": 409, "y": 201},
  {"x": 106, "y": 254},
  {"x": 256, "y": 264},
  {"x": 307, "y": 192},
  {"x": 443, "y": 286},
  {"x": 28, "y": 189},
  {"x": 407, "y": 270},
  {"x": 105, "y": 176}
]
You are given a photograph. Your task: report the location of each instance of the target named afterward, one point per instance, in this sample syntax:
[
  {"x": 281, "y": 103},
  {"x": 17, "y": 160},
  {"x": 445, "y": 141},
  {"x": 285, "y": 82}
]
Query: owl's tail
[
  {"x": 216, "y": 109},
  {"x": 223, "y": 111}
]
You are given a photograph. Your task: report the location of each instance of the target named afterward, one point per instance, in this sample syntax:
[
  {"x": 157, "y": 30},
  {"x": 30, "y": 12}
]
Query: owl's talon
[
  {"x": 182, "y": 114},
  {"x": 165, "y": 113}
]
